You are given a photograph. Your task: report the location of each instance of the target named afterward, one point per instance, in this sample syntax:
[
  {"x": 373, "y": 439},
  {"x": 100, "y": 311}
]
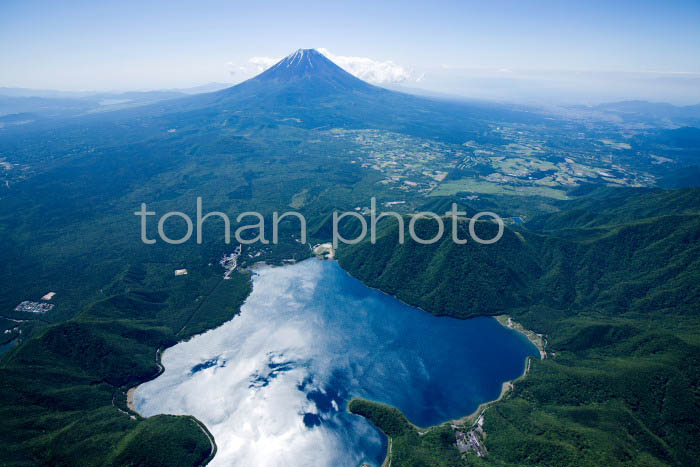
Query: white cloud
[
  {"x": 254, "y": 66},
  {"x": 253, "y": 408},
  {"x": 262, "y": 63},
  {"x": 370, "y": 70}
]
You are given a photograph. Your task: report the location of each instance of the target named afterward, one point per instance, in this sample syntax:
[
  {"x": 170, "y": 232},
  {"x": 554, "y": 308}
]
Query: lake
[
  {"x": 7, "y": 346},
  {"x": 272, "y": 384}
]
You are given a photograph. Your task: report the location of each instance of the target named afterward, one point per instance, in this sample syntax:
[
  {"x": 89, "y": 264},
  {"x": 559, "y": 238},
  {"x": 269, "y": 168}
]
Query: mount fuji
[
  {"x": 307, "y": 86},
  {"x": 312, "y": 68},
  {"x": 308, "y": 91}
]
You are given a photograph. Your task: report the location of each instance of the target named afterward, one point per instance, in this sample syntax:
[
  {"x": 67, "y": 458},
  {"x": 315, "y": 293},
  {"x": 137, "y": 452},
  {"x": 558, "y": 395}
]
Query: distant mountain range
[
  {"x": 53, "y": 94},
  {"x": 650, "y": 108},
  {"x": 40, "y": 103},
  {"x": 645, "y": 113}
]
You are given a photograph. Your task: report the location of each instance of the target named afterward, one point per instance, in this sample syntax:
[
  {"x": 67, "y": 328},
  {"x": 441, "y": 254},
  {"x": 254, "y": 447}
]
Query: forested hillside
[
  {"x": 64, "y": 392},
  {"x": 612, "y": 281}
]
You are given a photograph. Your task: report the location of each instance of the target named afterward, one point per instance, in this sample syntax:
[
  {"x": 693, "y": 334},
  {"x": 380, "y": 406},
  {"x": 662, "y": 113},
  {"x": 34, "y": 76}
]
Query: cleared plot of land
[
  {"x": 522, "y": 149},
  {"x": 615, "y": 144},
  {"x": 516, "y": 164},
  {"x": 299, "y": 199},
  {"x": 478, "y": 186}
]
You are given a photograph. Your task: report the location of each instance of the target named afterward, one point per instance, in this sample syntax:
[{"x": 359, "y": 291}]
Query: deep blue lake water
[
  {"x": 7, "y": 346},
  {"x": 272, "y": 384}
]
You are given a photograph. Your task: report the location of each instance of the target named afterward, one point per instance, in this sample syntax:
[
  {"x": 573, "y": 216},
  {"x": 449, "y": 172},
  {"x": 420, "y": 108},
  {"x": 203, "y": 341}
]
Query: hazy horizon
[{"x": 539, "y": 87}]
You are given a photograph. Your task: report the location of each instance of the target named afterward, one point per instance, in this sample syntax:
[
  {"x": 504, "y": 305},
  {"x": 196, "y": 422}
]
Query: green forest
[{"x": 611, "y": 281}]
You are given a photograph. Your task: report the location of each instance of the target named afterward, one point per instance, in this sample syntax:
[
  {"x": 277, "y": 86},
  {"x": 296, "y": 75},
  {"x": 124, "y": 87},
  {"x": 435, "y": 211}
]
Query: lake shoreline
[
  {"x": 470, "y": 420},
  {"x": 130, "y": 391},
  {"x": 252, "y": 270},
  {"x": 130, "y": 398},
  {"x": 538, "y": 340}
]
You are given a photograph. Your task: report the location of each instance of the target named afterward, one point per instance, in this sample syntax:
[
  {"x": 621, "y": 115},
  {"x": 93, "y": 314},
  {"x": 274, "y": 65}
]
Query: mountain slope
[{"x": 304, "y": 90}]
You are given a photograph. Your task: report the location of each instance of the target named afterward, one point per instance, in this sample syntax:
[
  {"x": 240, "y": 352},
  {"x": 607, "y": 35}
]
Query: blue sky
[{"x": 79, "y": 45}]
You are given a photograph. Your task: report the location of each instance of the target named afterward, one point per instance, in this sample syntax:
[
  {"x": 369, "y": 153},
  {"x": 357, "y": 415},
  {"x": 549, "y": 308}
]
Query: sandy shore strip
[
  {"x": 130, "y": 399},
  {"x": 537, "y": 339},
  {"x": 472, "y": 417}
]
